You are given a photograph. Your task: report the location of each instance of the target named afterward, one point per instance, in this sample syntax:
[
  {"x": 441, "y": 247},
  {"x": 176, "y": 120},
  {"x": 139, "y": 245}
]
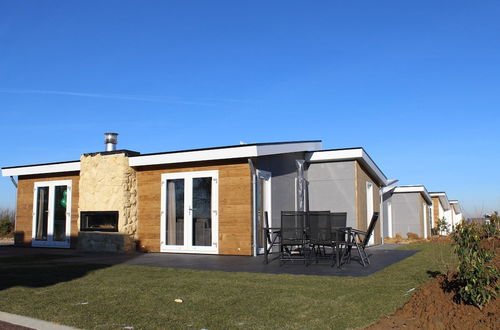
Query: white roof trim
[
  {"x": 348, "y": 154},
  {"x": 443, "y": 199},
  {"x": 41, "y": 169},
  {"x": 223, "y": 153},
  {"x": 415, "y": 189},
  {"x": 456, "y": 207},
  {"x": 391, "y": 185}
]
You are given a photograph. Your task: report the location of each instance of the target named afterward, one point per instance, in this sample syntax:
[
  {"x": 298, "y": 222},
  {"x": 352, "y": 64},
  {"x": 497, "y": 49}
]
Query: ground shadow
[{"x": 40, "y": 267}]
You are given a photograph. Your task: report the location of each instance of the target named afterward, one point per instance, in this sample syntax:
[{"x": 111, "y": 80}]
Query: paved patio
[{"x": 381, "y": 257}]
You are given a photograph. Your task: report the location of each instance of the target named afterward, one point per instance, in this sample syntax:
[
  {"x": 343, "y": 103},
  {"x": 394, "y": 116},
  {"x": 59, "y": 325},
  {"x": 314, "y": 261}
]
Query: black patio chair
[
  {"x": 319, "y": 233},
  {"x": 339, "y": 219},
  {"x": 359, "y": 239},
  {"x": 293, "y": 241},
  {"x": 271, "y": 238}
]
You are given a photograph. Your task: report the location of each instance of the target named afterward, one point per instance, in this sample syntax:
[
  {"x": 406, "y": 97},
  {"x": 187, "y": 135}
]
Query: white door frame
[
  {"x": 389, "y": 219},
  {"x": 50, "y": 218},
  {"x": 424, "y": 210},
  {"x": 266, "y": 176},
  {"x": 188, "y": 246},
  {"x": 369, "y": 210}
]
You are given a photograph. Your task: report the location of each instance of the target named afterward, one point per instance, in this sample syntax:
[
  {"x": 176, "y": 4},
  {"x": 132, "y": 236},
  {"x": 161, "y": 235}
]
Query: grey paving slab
[{"x": 380, "y": 258}]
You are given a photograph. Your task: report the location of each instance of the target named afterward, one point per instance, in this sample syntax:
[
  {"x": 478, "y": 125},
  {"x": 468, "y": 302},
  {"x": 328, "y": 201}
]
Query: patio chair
[
  {"x": 319, "y": 233},
  {"x": 293, "y": 240},
  {"x": 271, "y": 238},
  {"x": 359, "y": 239}
]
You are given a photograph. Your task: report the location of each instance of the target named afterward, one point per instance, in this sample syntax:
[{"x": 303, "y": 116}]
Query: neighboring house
[
  {"x": 456, "y": 213},
  {"x": 347, "y": 180},
  {"x": 441, "y": 208},
  {"x": 408, "y": 210},
  {"x": 209, "y": 201}
]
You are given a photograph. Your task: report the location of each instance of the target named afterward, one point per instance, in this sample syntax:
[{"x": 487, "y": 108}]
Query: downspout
[
  {"x": 381, "y": 220},
  {"x": 13, "y": 181},
  {"x": 15, "y": 216},
  {"x": 254, "y": 206},
  {"x": 300, "y": 185}
]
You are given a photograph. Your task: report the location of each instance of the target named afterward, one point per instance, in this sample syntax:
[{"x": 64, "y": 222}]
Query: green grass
[{"x": 100, "y": 297}]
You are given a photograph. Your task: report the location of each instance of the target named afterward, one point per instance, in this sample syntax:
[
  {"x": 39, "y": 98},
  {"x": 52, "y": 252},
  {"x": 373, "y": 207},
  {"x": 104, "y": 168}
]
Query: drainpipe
[
  {"x": 15, "y": 216},
  {"x": 300, "y": 185},
  {"x": 381, "y": 194},
  {"x": 254, "y": 206},
  {"x": 13, "y": 181}
]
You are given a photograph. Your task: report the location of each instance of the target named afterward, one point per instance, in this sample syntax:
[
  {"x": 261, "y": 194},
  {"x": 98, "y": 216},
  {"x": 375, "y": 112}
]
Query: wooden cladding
[
  {"x": 235, "y": 202},
  {"x": 24, "y": 207},
  {"x": 435, "y": 203},
  {"x": 363, "y": 220}
]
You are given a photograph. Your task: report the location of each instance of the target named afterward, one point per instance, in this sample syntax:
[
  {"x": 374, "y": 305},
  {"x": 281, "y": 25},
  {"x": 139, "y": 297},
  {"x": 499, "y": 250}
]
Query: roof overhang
[
  {"x": 391, "y": 185},
  {"x": 443, "y": 199},
  {"x": 358, "y": 154},
  {"x": 183, "y": 156},
  {"x": 232, "y": 152},
  {"x": 456, "y": 206},
  {"x": 41, "y": 169},
  {"x": 415, "y": 189}
]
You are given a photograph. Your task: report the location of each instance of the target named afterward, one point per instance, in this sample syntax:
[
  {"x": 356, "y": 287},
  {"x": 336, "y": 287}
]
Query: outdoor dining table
[{"x": 270, "y": 241}]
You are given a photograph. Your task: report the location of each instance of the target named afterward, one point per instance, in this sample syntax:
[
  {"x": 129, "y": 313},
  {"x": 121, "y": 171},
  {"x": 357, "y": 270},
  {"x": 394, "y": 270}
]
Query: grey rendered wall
[
  {"x": 332, "y": 188},
  {"x": 406, "y": 213},
  {"x": 283, "y": 173}
]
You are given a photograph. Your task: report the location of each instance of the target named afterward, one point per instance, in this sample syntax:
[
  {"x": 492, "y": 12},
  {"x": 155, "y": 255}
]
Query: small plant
[
  {"x": 412, "y": 235},
  {"x": 442, "y": 226},
  {"x": 5, "y": 226},
  {"x": 476, "y": 280},
  {"x": 492, "y": 227}
]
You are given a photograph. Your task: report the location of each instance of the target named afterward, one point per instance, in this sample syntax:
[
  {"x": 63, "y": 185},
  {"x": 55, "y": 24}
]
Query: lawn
[{"x": 100, "y": 297}]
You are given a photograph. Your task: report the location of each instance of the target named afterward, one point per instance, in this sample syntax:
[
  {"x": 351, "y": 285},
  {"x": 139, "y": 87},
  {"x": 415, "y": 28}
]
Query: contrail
[{"x": 146, "y": 98}]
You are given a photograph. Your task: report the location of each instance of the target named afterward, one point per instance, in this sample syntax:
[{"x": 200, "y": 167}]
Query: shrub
[
  {"x": 442, "y": 226},
  {"x": 412, "y": 236},
  {"x": 6, "y": 226},
  {"x": 476, "y": 278},
  {"x": 492, "y": 228}
]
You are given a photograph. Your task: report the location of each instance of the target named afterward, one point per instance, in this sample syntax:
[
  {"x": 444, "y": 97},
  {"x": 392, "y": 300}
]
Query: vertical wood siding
[
  {"x": 362, "y": 221},
  {"x": 235, "y": 204},
  {"x": 24, "y": 207}
]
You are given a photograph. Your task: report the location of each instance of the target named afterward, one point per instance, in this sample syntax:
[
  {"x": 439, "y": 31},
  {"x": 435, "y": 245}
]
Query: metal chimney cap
[{"x": 110, "y": 140}]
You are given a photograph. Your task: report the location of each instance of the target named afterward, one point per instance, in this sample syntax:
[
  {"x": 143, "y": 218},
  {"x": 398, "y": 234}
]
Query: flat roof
[
  {"x": 415, "y": 189},
  {"x": 344, "y": 154},
  {"x": 456, "y": 206},
  {"x": 443, "y": 198},
  {"x": 227, "y": 152},
  {"x": 180, "y": 156}
]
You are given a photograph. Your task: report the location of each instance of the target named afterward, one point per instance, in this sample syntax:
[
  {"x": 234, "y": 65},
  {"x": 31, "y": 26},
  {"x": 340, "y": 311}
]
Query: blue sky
[{"x": 416, "y": 83}]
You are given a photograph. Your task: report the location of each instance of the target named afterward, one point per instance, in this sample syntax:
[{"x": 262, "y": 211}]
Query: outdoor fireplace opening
[{"x": 99, "y": 221}]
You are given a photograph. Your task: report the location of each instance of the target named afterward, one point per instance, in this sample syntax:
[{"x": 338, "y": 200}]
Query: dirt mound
[{"x": 433, "y": 308}]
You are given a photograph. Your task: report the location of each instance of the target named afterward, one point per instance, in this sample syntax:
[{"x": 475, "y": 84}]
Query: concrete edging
[{"x": 31, "y": 322}]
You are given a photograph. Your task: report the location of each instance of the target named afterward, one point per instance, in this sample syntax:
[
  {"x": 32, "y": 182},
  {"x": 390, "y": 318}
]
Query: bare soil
[{"x": 432, "y": 307}]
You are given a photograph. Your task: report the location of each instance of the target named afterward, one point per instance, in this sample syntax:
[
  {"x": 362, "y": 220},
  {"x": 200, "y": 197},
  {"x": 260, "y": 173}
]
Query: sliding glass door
[
  {"x": 52, "y": 214},
  {"x": 189, "y": 212}
]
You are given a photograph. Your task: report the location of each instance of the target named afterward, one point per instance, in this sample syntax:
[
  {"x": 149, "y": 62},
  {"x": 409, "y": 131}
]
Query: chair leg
[
  {"x": 361, "y": 254},
  {"x": 365, "y": 255}
]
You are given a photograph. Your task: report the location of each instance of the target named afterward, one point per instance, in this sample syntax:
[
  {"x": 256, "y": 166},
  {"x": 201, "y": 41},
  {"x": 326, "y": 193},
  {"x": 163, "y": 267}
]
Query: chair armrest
[{"x": 357, "y": 231}]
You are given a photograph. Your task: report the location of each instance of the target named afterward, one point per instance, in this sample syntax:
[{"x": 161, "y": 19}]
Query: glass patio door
[
  {"x": 189, "y": 212},
  {"x": 52, "y": 214}
]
